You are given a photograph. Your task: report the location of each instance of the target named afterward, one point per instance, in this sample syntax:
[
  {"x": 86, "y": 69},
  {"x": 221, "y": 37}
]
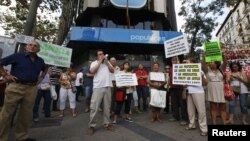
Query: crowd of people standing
[{"x": 30, "y": 80}]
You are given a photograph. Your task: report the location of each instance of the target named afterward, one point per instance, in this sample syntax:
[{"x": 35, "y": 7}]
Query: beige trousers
[
  {"x": 197, "y": 101},
  {"x": 98, "y": 95},
  {"x": 16, "y": 94}
]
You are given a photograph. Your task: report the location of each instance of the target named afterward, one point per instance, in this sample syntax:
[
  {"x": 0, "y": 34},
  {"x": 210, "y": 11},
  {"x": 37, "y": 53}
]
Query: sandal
[{"x": 109, "y": 128}]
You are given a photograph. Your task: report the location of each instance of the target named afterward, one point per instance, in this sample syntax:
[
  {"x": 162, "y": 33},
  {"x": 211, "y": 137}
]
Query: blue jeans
[
  {"x": 243, "y": 104},
  {"x": 142, "y": 92},
  {"x": 47, "y": 101}
]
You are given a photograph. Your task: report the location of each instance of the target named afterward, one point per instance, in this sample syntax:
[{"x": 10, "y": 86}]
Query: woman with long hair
[
  {"x": 215, "y": 88},
  {"x": 238, "y": 78},
  {"x": 128, "y": 93}
]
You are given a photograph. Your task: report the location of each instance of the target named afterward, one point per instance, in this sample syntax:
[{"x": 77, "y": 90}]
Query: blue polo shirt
[{"x": 23, "y": 67}]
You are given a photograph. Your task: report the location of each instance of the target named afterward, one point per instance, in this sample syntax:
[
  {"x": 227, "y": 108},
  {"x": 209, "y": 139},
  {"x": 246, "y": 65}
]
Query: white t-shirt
[
  {"x": 78, "y": 77},
  {"x": 195, "y": 89},
  {"x": 102, "y": 77},
  {"x": 117, "y": 69}
]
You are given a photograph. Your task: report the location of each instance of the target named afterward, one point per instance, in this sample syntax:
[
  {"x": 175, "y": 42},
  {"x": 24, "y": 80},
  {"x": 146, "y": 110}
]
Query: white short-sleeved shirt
[
  {"x": 78, "y": 77},
  {"x": 102, "y": 77},
  {"x": 195, "y": 89}
]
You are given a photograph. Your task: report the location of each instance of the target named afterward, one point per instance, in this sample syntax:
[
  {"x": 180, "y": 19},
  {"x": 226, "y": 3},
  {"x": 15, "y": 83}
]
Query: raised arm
[
  {"x": 224, "y": 64},
  {"x": 203, "y": 63}
]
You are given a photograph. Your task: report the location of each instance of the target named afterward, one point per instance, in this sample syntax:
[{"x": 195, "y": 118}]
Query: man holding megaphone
[{"x": 102, "y": 84}]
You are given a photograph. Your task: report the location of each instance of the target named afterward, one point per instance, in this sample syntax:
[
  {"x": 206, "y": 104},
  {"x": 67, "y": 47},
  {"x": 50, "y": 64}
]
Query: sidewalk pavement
[{"x": 75, "y": 129}]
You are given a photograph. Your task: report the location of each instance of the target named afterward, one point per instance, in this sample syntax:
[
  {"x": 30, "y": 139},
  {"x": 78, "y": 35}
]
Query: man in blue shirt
[{"x": 24, "y": 76}]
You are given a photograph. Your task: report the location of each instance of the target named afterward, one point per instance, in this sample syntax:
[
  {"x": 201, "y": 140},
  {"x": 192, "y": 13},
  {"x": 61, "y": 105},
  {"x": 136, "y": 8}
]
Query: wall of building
[{"x": 236, "y": 29}]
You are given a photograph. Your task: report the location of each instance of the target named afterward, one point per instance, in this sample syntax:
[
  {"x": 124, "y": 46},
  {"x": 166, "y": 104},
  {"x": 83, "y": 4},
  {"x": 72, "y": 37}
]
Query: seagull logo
[{"x": 136, "y": 4}]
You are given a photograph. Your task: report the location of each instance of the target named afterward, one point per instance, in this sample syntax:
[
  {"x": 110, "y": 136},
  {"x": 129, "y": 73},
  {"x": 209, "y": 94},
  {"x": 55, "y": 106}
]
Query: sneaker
[
  {"x": 100, "y": 110},
  {"x": 183, "y": 123},
  {"x": 91, "y": 131},
  {"x": 129, "y": 119}
]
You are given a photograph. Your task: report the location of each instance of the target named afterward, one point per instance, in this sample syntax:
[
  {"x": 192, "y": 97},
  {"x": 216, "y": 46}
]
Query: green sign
[
  {"x": 55, "y": 55},
  {"x": 213, "y": 52}
]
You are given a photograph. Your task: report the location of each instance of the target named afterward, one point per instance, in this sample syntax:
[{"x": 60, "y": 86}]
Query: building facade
[
  {"x": 132, "y": 30},
  {"x": 235, "y": 29}
]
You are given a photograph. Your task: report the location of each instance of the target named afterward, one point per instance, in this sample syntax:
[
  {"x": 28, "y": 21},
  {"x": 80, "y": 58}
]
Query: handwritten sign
[
  {"x": 157, "y": 98},
  {"x": 55, "y": 55},
  {"x": 176, "y": 46},
  {"x": 187, "y": 74},
  {"x": 123, "y": 79},
  {"x": 158, "y": 76},
  {"x": 213, "y": 52},
  {"x": 24, "y": 39}
]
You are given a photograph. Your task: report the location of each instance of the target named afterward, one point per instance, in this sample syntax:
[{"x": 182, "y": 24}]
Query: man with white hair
[{"x": 116, "y": 70}]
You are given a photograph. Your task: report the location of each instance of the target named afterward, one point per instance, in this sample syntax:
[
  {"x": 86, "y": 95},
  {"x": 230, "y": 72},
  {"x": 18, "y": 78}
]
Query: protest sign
[
  {"x": 55, "y": 55},
  {"x": 125, "y": 79},
  {"x": 158, "y": 76},
  {"x": 176, "y": 46},
  {"x": 187, "y": 74},
  {"x": 24, "y": 39},
  {"x": 157, "y": 98},
  {"x": 213, "y": 52}
]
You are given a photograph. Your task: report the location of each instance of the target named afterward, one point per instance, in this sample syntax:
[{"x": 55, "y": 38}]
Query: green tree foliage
[
  {"x": 14, "y": 18},
  {"x": 200, "y": 17}
]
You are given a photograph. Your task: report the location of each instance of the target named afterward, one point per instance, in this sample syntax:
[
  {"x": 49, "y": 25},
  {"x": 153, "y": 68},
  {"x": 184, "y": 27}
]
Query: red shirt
[{"x": 140, "y": 73}]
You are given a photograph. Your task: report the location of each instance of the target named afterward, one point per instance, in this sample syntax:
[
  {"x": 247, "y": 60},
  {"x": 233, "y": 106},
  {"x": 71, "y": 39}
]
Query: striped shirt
[{"x": 54, "y": 74}]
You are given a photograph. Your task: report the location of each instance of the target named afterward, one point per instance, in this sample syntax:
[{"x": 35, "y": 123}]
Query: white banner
[
  {"x": 158, "y": 76},
  {"x": 24, "y": 39},
  {"x": 55, "y": 55},
  {"x": 187, "y": 74},
  {"x": 124, "y": 79},
  {"x": 176, "y": 46},
  {"x": 157, "y": 98}
]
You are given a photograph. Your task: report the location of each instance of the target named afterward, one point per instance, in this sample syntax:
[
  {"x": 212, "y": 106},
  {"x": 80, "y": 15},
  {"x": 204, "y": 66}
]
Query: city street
[{"x": 75, "y": 129}]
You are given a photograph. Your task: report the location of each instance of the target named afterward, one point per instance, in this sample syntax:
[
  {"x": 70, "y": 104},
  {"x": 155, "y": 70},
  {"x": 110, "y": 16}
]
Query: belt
[{"x": 26, "y": 83}]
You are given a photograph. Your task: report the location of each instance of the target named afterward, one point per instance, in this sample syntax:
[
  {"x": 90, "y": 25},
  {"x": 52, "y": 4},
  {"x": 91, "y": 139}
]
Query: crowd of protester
[{"x": 96, "y": 81}]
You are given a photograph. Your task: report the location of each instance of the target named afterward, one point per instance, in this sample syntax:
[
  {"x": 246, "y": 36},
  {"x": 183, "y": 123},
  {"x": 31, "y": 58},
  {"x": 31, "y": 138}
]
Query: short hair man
[
  {"x": 102, "y": 84},
  {"x": 23, "y": 79}
]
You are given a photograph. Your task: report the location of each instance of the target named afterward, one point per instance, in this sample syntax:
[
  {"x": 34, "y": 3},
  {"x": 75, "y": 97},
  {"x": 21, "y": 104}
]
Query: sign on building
[{"x": 131, "y": 3}]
